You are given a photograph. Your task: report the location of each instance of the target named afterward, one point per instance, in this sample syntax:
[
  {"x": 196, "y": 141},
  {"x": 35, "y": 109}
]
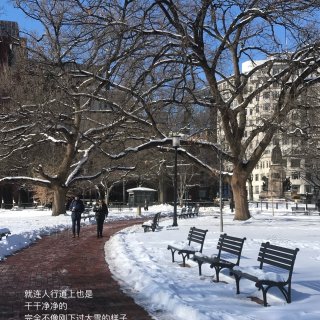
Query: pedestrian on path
[
  {"x": 101, "y": 212},
  {"x": 76, "y": 207},
  {"x": 146, "y": 205}
]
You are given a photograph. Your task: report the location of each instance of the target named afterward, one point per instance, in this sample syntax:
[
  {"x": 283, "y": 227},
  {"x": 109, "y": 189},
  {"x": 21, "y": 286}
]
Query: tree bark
[
  {"x": 238, "y": 184},
  {"x": 250, "y": 188},
  {"x": 59, "y": 201}
]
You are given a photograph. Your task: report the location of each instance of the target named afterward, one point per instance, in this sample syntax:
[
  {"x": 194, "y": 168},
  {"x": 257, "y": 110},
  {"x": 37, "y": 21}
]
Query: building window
[
  {"x": 256, "y": 189},
  {"x": 307, "y": 188},
  {"x": 295, "y": 175},
  {"x": 275, "y": 94},
  {"x": 266, "y": 107},
  {"x": 257, "y": 177},
  {"x": 295, "y": 163},
  {"x": 276, "y": 175},
  {"x": 284, "y": 163},
  {"x": 266, "y": 95},
  {"x": 295, "y": 187}
]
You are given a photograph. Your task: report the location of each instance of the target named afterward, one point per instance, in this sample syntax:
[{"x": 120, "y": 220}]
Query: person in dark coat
[
  {"x": 76, "y": 207},
  {"x": 146, "y": 205},
  {"x": 101, "y": 212}
]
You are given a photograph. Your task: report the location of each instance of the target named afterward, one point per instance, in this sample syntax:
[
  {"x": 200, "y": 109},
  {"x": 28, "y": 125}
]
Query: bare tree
[
  {"x": 215, "y": 37},
  {"x": 75, "y": 95},
  {"x": 143, "y": 65}
]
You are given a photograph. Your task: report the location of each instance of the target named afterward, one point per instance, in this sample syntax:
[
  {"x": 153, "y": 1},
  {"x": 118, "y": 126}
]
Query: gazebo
[{"x": 140, "y": 195}]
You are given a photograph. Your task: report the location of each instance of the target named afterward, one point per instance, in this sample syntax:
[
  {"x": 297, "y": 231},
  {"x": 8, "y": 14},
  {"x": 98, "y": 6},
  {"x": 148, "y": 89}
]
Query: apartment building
[
  {"x": 9, "y": 37},
  {"x": 280, "y": 172}
]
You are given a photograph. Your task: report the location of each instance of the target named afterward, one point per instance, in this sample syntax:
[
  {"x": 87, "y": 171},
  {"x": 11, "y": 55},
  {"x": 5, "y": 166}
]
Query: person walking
[
  {"x": 146, "y": 205},
  {"x": 101, "y": 212},
  {"x": 76, "y": 207}
]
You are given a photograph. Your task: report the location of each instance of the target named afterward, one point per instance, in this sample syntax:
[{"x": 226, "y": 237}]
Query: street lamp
[
  {"x": 124, "y": 192},
  {"x": 306, "y": 201},
  {"x": 220, "y": 191},
  {"x": 175, "y": 144}
]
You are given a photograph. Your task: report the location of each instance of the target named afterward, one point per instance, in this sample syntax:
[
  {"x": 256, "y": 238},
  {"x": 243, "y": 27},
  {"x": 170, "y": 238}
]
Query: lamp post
[
  {"x": 175, "y": 144},
  {"x": 306, "y": 201},
  {"x": 123, "y": 192},
  {"x": 220, "y": 191}
]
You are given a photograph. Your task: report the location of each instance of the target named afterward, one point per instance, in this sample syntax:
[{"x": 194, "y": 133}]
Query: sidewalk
[{"x": 65, "y": 278}]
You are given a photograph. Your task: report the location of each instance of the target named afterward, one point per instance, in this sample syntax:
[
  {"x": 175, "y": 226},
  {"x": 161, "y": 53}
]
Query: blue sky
[{"x": 8, "y": 12}]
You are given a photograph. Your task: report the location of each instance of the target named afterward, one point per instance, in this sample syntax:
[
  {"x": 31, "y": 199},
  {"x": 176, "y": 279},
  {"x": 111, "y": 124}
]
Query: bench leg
[
  {"x": 285, "y": 292},
  {"x": 237, "y": 279},
  {"x": 264, "y": 290},
  {"x": 200, "y": 265},
  {"x": 217, "y": 269},
  {"x": 184, "y": 256},
  {"x": 264, "y": 293},
  {"x": 217, "y": 273},
  {"x": 172, "y": 253}
]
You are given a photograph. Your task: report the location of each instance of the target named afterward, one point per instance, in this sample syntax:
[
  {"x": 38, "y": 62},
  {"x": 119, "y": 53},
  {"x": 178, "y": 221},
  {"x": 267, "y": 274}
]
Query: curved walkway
[{"x": 65, "y": 276}]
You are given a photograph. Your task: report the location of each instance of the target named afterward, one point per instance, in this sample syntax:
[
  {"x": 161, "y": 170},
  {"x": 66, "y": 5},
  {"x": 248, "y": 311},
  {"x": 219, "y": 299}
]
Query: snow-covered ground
[{"x": 142, "y": 264}]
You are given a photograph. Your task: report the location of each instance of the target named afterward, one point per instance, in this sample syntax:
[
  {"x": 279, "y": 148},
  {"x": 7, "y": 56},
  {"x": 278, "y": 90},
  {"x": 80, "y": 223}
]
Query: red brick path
[{"x": 59, "y": 262}]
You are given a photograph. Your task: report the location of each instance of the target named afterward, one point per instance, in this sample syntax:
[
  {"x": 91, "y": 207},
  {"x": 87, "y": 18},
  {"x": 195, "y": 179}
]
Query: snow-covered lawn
[{"x": 142, "y": 264}]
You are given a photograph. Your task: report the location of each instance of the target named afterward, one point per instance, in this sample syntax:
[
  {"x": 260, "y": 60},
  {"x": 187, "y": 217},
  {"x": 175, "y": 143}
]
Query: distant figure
[
  {"x": 101, "y": 212},
  {"x": 276, "y": 154},
  {"x": 146, "y": 205},
  {"x": 76, "y": 207},
  {"x": 286, "y": 185},
  {"x": 231, "y": 205},
  {"x": 265, "y": 184}
]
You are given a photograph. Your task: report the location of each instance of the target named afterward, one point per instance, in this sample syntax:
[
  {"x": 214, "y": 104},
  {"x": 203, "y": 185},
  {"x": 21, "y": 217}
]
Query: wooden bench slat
[
  {"x": 277, "y": 256},
  {"x": 284, "y": 259},
  {"x": 232, "y": 250},
  {"x": 196, "y": 240},
  {"x": 231, "y": 246},
  {"x": 277, "y": 248},
  {"x": 277, "y": 264},
  {"x": 195, "y": 235}
]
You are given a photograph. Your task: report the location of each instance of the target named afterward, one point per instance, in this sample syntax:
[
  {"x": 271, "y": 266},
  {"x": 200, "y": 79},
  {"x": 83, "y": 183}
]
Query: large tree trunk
[
  {"x": 59, "y": 201},
  {"x": 238, "y": 184}
]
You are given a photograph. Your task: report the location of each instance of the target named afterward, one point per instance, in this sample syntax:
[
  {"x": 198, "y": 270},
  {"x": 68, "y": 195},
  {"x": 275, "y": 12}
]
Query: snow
[
  {"x": 261, "y": 274},
  {"x": 142, "y": 264},
  {"x": 141, "y": 189}
]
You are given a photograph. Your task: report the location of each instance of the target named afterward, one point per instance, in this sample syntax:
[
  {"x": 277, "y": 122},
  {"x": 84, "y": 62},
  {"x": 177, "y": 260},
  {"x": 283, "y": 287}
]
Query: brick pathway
[{"x": 66, "y": 265}]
